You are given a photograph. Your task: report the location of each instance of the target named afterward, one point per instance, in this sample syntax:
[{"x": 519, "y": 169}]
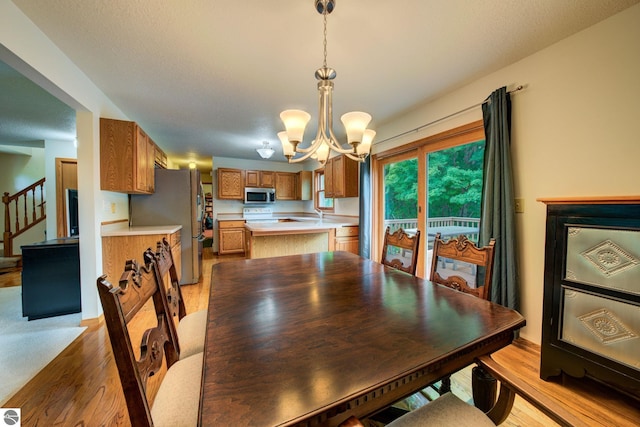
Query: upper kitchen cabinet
[
  {"x": 231, "y": 184},
  {"x": 263, "y": 179},
  {"x": 161, "y": 158},
  {"x": 341, "y": 177},
  {"x": 286, "y": 186},
  {"x": 127, "y": 158}
]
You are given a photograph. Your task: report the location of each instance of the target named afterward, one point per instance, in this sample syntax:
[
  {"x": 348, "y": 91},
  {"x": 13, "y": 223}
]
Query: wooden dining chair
[
  {"x": 459, "y": 264},
  {"x": 400, "y": 250},
  {"x": 190, "y": 329},
  {"x": 178, "y": 395}
]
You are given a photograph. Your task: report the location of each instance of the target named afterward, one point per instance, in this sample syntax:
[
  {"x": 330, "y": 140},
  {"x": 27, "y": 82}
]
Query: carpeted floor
[{"x": 28, "y": 346}]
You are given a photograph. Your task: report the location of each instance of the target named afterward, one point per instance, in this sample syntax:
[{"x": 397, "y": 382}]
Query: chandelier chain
[{"x": 324, "y": 14}]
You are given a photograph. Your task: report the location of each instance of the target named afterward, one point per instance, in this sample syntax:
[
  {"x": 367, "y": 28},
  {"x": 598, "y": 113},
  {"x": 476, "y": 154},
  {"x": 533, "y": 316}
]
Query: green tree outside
[{"x": 454, "y": 184}]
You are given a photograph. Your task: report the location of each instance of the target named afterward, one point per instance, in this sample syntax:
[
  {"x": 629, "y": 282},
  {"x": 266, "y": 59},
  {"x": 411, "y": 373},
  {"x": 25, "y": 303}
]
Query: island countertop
[{"x": 296, "y": 226}]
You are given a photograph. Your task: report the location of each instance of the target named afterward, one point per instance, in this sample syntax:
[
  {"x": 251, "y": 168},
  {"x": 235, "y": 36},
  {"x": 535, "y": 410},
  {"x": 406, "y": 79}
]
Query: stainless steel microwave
[{"x": 253, "y": 195}]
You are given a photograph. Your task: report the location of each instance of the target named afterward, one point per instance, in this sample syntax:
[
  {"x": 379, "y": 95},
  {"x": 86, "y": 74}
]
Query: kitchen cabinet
[
  {"x": 304, "y": 186},
  {"x": 286, "y": 186},
  {"x": 160, "y": 158},
  {"x": 231, "y": 237},
  {"x": 341, "y": 177},
  {"x": 117, "y": 249},
  {"x": 231, "y": 184},
  {"x": 262, "y": 179},
  {"x": 127, "y": 158},
  {"x": 347, "y": 239}
]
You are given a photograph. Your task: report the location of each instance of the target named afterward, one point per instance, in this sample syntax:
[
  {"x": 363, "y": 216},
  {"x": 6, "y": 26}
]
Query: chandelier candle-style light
[{"x": 359, "y": 137}]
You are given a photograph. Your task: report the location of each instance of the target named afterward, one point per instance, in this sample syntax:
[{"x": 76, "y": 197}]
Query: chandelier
[{"x": 359, "y": 138}]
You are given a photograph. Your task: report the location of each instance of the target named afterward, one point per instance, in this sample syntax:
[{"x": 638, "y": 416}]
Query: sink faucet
[{"x": 320, "y": 213}]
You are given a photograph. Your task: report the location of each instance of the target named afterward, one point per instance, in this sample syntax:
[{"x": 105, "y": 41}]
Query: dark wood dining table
[{"x": 312, "y": 339}]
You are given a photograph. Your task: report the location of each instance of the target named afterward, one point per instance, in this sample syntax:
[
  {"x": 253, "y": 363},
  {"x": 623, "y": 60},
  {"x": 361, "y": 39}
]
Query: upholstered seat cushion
[
  {"x": 447, "y": 410},
  {"x": 191, "y": 331},
  {"x": 178, "y": 398}
]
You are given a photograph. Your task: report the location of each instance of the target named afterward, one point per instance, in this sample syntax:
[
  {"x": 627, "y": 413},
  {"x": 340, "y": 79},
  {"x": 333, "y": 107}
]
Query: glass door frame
[{"x": 419, "y": 149}]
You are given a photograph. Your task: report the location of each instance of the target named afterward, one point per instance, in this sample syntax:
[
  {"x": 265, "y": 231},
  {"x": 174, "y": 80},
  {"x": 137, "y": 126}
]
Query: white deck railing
[{"x": 450, "y": 221}]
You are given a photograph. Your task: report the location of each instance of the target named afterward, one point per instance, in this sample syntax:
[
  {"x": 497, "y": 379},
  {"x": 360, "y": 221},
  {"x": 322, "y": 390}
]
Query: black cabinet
[
  {"x": 591, "y": 307},
  {"x": 51, "y": 278}
]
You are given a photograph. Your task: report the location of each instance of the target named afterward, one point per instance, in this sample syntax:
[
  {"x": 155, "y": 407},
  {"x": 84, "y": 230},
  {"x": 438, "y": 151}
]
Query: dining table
[{"x": 311, "y": 339}]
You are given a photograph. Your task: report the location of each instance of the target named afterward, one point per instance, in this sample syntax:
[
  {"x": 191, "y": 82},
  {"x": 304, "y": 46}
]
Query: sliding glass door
[
  {"x": 453, "y": 193},
  {"x": 400, "y": 184},
  {"x": 433, "y": 185}
]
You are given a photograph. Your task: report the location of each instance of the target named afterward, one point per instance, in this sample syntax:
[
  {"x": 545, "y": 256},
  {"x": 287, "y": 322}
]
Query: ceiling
[{"x": 209, "y": 77}]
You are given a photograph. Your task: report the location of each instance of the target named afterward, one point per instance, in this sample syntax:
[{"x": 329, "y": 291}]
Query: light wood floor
[{"x": 81, "y": 387}]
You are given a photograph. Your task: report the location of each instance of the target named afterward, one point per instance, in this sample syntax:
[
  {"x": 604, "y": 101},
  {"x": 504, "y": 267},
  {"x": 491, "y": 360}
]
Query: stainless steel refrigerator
[{"x": 178, "y": 199}]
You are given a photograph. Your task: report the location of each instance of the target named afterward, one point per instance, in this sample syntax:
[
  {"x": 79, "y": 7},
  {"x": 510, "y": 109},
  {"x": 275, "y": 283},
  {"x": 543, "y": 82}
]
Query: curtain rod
[{"x": 517, "y": 89}]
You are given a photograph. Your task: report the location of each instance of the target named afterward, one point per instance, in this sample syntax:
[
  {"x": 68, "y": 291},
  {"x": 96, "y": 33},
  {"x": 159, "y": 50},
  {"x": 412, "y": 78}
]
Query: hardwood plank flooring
[{"x": 81, "y": 387}]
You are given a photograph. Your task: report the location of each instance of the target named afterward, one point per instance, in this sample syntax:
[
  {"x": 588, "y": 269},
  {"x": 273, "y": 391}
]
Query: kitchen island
[{"x": 292, "y": 237}]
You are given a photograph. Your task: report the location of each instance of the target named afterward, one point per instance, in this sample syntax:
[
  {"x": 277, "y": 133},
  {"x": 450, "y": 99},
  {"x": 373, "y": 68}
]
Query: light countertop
[
  {"x": 305, "y": 219},
  {"x": 291, "y": 226},
  {"x": 123, "y": 229}
]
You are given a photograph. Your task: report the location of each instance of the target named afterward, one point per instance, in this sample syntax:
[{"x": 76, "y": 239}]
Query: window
[{"x": 321, "y": 202}]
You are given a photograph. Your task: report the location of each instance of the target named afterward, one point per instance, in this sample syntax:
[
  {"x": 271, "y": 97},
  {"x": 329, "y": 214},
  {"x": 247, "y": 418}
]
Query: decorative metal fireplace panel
[
  {"x": 603, "y": 326},
  {"x": 604, "y": 257},
  {"x": 591, "y": 310}
]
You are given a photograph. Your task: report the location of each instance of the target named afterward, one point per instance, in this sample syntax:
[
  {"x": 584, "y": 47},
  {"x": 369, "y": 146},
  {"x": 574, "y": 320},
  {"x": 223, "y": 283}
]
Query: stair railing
[{"x": 29, "y": 200}]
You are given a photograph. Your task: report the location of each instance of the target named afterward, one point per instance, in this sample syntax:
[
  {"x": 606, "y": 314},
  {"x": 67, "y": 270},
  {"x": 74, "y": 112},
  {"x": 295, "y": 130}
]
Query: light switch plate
[{"x": 519, "y": 205}]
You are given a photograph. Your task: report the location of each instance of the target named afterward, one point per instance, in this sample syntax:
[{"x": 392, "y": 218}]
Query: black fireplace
[{"x": 591, "y": 309}]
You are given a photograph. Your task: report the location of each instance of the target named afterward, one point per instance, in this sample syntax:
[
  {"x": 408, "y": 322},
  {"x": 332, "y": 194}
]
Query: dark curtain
[
  {"x": 365, "y": 208},
  {"x": 497, "y": 218}
]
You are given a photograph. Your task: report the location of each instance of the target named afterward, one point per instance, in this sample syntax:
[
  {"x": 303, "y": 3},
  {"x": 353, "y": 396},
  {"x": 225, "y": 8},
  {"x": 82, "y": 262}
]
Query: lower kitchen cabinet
[
  {"x": 231, "y": 237},
  {"x": 116, "y": 250},
  {"x": 347, "y": 239}
]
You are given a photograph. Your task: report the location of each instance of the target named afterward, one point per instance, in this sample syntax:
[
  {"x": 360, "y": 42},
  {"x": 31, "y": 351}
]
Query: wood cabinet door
[
  {"x": 285, "y": 186},
  {"x": 338, "y": 176},
  {"x": 348, "y": 244},
  {"x": 267, "y": 179},
  {"x": 145, "y": 162},
  {"x": 341, "y": 177},
  {"x": 328, "y": 179},
  {"x": 230, "y": 184},
  {"x": 231, "y": 241},
  {"x": 252, "y": 178}
]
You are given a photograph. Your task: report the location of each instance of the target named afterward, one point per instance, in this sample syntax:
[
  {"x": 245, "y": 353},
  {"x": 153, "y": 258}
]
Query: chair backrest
[
  {"x": 173, "y": 294},
  {"x": 459, "y": 264},
  {"x": 400, "y": 250},
  {"x": 122, "y": 304}
]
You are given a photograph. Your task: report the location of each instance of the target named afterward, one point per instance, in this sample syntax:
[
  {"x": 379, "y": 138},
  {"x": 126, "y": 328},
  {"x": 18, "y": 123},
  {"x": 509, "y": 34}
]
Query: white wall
[
  {"x": 25, "y": 48},
  {"x": 574, "y": 131}
]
